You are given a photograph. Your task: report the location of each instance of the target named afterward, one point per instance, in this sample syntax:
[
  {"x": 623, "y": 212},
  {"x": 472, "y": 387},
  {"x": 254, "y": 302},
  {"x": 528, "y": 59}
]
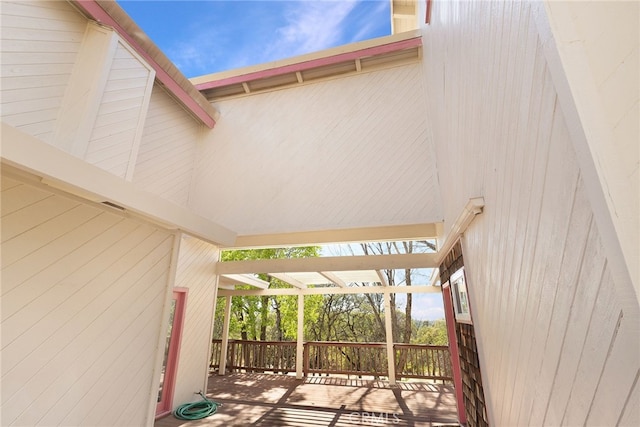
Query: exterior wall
[
  {"x": 349, "y": 152},
  {"x": 40, "y": 43},
  {"x": 555, "y": 344},
  {"x": 83, "y": 292},
  {"x": 117, "y": 130},
  {"x": 168, "y": 151},
  {"x": 195, "y": 271},
  {"x": 596, "y": 45},
  {"x": 79, "y": 87}
]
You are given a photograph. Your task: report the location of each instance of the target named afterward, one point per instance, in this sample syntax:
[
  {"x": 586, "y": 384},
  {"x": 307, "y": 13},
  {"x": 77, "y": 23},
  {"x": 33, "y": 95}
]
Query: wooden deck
[{"x": 280, "y": 400}]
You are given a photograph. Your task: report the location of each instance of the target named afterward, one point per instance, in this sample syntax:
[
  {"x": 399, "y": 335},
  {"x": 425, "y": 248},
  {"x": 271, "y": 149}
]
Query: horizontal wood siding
[
  {"x": 195, "y": 271},
  {"x": 168, "y": 149},
  {"x": 349, "y": 152},
  {"x": 40, "y": 41},
  {"x": 554, "y": 344},
  {"x": 114, "y": 141},
  {"x": 82, "y": 297}
]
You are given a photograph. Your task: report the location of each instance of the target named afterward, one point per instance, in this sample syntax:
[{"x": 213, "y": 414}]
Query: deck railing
[
  {"x": 423, "y": 361},
  {"x": 321, "y": 357}
]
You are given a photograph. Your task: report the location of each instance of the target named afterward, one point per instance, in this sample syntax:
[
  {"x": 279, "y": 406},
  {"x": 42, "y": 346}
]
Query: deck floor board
[{"x": 281, "y": 400}]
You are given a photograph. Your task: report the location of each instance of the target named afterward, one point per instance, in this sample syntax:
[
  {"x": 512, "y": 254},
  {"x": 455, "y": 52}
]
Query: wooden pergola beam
[
  {"x": 326, "y": 290},
  {"x": 339, "y": 263},
  {"x": 350, "y": 235}
]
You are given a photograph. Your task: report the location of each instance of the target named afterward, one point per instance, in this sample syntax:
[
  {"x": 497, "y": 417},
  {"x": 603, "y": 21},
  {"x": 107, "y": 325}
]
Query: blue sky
[{"x": 208, "y": 36}]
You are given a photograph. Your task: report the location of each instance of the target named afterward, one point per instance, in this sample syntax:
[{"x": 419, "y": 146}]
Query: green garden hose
[{"x": 196, "y": 410}]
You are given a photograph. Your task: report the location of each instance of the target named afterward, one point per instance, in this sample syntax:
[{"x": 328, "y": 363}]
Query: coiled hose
[{"x": 196, "y": 410}]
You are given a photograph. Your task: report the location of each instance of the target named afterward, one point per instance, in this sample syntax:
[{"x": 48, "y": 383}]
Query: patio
[{"x": 282, "y": 400}]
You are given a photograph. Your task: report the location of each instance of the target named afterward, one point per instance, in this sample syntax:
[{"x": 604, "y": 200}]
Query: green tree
[
  {"x": 267, "y": 317},
  {"x": 432, "y": 333}
]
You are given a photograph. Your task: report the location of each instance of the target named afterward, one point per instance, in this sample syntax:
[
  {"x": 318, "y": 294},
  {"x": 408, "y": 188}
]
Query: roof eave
[
  {"x": 351, "y": 52},
  {"x": 110, "y": 14}
]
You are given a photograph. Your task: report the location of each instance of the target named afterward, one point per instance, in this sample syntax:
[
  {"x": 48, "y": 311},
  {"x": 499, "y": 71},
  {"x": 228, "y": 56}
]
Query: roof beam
[
  {"x": 70, "y": 174},
  {"x": 332, "y": 290},
  {"x": 349, "y": 235},
  {"x": 333, "y": 278},
  {"x": 288, "y": 279},
  {"x": 338, "y": 263}
]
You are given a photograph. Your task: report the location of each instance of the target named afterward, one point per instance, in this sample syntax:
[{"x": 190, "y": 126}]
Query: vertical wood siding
[
  {"x": 82, "y": 298},
  {"x": 40, "y": 41},
  {"x": 114, "y": 142},
  {"x": 555, "y": 346},
  {"x": 195, "y": 271},
  {"x": 350, "y": 152},
  {"x": 168, "y": 149}
]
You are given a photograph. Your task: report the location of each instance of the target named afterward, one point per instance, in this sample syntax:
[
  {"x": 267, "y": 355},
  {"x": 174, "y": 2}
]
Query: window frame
[{"x": 460, "y": 296}]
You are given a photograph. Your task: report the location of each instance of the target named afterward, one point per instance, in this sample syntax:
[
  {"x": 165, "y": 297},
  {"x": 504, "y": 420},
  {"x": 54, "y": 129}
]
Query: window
[{"x": 460, "y": 296}]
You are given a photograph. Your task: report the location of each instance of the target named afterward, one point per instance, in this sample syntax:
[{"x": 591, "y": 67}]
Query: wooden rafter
[
  {"x": 247, "y": 279},
  {"x": 288, "y": 279},
  {"x": 333, "y": 278}
]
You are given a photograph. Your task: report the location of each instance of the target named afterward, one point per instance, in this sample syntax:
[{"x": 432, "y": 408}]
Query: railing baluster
[{"x": 412, "y": 360}]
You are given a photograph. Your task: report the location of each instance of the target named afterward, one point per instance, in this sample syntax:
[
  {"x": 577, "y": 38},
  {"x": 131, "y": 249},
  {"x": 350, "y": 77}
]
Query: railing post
[{"x": 305, "y": 352}]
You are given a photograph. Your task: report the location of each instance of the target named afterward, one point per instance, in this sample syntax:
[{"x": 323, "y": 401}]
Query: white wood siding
[
  {"x": 115, "y": 139},
  {"x": 350, "y": 152},
  {"x": 598, "y": 46},
  {"x": 555, "y": 346},
  {"x": 168, "y": 149},
  {"x": 42, "y": 48},
  {"x": 83, "y": 291},
  {"x": 195, "y": 271},
  {"x": 40, "y": 41}
]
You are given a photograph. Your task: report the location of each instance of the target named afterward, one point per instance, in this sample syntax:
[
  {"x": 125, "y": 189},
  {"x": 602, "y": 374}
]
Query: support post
[
  {"x": 391, "y": 357},
  {"x": 300, "y": 338},
  {"x": 225, "y": 336}
]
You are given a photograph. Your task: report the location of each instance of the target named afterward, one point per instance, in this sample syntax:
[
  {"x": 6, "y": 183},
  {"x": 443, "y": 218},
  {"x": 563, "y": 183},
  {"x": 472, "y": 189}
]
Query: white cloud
[
  {"x": 368, "y": 25},
  {"x": 220, "y": 38},
  {"x": 427, "y": 307},
  {"x": 311, "y": 26}
]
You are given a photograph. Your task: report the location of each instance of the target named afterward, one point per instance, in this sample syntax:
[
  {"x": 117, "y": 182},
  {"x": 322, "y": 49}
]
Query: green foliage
[
  {"x": 432, "y": 333},
  {"x": 266, "y": 317},
  {"x": 347, "y": 317}
]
